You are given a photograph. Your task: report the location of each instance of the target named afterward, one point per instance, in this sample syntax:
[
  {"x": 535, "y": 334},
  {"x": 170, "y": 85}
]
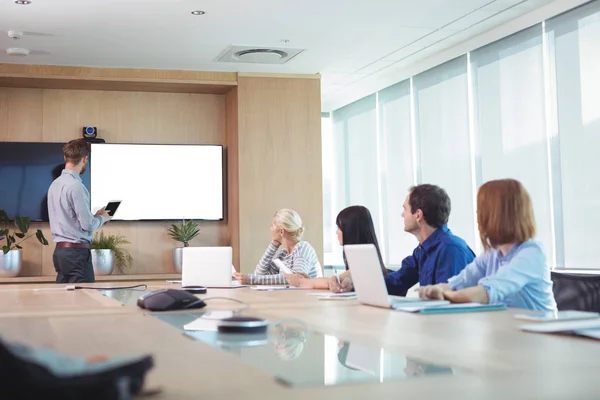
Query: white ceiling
[{"x": 344, "y": 40}]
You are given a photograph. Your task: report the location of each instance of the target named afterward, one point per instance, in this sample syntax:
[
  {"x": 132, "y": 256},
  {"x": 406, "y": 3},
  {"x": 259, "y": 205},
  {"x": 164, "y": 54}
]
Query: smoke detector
[
  {"x": 15, "y": 35},
  {"x": 258, "y": 54},
  {"x": 18, "y": 52}
]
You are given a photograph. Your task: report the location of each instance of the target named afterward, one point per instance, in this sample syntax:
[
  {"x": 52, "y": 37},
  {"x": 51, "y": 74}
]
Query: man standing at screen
[{"x": 71, "y": 221}]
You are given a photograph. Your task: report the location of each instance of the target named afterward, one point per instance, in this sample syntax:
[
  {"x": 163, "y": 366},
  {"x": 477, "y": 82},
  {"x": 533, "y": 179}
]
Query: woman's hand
[
  {"x": 341, "y": 283},
  {"x": 433, "y": 292},
  {"x": 298, "y": 280},
  {"x": 242, "y": 278},
  {"x": 334, "y": 284},
  {"x": 275, "y": 235}
]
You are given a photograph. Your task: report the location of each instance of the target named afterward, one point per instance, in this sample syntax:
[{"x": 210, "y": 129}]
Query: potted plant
[
  {"x": 11, "y": 258},
  {"x": 107, "y": 252},
  {"x": 183, "y": 233}
]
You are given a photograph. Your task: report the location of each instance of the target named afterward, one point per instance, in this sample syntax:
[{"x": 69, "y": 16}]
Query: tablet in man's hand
[{"x": 112, "y": 206}]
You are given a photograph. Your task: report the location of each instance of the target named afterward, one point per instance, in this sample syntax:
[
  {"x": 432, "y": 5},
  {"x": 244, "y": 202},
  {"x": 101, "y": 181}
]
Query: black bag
[{"x": 37, "y": 373}]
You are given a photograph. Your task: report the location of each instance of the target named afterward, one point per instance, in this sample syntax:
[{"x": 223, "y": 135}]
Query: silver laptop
[
  {"x": 368, "y": 279},
  {"x": 207, "y": 266}
]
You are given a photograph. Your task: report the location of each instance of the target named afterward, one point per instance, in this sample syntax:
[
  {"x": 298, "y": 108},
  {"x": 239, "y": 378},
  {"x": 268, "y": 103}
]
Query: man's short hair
[
  {"x": 433, "y": 201},
  {"x": 75, "y": 150}
]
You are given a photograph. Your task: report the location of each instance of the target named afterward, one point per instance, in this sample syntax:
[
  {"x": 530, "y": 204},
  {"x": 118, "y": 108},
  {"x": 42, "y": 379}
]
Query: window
[
  {"x": 444, "y": 156},
  {"x": 354, "y": 134},
  {"x": 575, "y": 37},
  {"x": 397, "y": 173},
  {"x": 328, "y": 179},
  {"x": 508, "y": 86},
  {"x": 524, "y": 107}
]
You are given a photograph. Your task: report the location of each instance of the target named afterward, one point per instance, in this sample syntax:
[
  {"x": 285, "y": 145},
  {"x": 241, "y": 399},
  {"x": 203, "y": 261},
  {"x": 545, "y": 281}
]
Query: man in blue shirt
[{"x": 440, "y": 254}]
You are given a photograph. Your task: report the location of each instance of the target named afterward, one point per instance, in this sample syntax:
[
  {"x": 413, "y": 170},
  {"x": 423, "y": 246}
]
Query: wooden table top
[{"x": 501, "y": 361}]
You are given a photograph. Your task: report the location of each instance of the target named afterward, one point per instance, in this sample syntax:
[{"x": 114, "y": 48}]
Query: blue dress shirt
[
  {"x": 441, "y": 256},
  {"x": 520, "y": 279},
  {"x": 71, "y": 219}
]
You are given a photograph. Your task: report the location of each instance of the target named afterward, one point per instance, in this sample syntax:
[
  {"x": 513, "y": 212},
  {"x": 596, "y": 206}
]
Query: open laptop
[
  {"x": 368, "y": 281},
  {"x": 207, "y": 266}
]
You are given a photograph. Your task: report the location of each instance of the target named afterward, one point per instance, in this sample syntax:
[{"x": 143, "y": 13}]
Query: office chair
[{"x": 576, "y": 292}]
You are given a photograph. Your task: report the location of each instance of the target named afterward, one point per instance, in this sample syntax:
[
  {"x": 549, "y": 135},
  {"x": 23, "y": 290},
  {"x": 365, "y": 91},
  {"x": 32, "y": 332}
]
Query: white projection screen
[{"x": 158, "y": 182}]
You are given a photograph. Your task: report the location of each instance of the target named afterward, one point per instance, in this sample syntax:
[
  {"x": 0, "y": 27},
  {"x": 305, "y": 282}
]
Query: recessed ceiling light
[
  {"x": 22, "y": 2},
  {"x": 198, "y": 12}
]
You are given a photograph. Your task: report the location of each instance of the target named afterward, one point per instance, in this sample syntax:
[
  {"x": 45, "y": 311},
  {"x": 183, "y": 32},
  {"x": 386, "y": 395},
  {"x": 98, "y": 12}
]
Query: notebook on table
[{"x": 587, "y": 327}]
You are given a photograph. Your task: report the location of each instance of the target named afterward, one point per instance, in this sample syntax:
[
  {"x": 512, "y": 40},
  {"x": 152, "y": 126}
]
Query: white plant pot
[
  {"x": 11, "y": 263},
  {"x": 103, "y": 261},
  {"x": 178, "y": 259}
]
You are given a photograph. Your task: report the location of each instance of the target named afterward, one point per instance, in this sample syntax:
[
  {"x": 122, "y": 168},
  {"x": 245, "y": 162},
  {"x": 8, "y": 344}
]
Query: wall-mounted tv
[
  {"x": 158, "y": 182},
  {"x": 26, "y": 172}
]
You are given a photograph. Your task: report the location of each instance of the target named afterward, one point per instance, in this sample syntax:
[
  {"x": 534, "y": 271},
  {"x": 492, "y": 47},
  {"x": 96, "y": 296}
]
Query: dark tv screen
[{"x": 26, "y": 172}]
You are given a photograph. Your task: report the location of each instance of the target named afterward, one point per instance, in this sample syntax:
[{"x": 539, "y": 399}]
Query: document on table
[
  {"x": 334, "y": 296},
  {"x": 563, "y": 326},
  {"x": 274, "y": 287},
  {"x": 429, "y": 307}
]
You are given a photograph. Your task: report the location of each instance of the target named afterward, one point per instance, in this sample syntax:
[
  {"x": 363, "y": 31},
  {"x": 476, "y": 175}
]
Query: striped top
[{"x": 303, "y": 259}]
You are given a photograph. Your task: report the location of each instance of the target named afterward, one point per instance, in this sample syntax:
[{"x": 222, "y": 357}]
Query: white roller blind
[
  {"x": 576, "y": 39},
  {"x": 441, "y": 107},
  {"x": 397, "y": 172},
  {"x": 508, "y": 79},
  {"x": 355, "y": 142}
]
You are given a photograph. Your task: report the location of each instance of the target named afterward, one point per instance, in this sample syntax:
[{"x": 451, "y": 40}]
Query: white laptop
[
  {"x": 207, "y": 266},
  {"x": 368, "y": 281}
]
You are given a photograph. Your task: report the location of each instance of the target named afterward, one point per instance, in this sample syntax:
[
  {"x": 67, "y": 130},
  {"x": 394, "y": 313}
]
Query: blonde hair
[{"x": 289, "y": 221}]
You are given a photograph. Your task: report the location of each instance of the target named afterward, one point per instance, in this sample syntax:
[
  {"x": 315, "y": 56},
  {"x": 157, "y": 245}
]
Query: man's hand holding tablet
[{"x": 112, "y": 206}]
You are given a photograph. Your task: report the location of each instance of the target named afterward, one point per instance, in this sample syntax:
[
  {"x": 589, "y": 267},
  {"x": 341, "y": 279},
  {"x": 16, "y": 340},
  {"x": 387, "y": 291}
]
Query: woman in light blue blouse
[{"x": 513, "y": 269}]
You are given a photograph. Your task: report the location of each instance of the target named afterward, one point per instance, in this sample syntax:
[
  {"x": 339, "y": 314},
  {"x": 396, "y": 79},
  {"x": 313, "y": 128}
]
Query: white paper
[
  {"x": 282, "y": 267},
  {"x": 273, "y": 287},
  {"x": 561, "y": 326},
  {"x": 326, "y": 294},
  {"x": 593, "y": 333}
]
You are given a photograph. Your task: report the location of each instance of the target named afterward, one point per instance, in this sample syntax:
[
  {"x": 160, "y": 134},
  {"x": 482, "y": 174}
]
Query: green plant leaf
[
  {"x": 40, "y": 237},
  {"x": 185, "y": 232},
  {"x": 19, "y": 235},
  {"x": 4, "y": 220},
  {"x": 3, "y": 232},
  {"x": 123, "y": 259},
  {"x": 18, "y": 247},
  {"x": 5, "y": 249},
  {"x": 22, "y": 224}
]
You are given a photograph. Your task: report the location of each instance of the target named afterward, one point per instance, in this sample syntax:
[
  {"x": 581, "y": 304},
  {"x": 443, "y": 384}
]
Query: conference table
[{"x": 337, "y": 349}]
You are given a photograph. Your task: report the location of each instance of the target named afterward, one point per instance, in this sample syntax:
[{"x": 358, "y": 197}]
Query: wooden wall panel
[
  {"x": 122, "y": 117},
  {"x": 20, "y": 111},
  {"x": 280, "y": 160}
]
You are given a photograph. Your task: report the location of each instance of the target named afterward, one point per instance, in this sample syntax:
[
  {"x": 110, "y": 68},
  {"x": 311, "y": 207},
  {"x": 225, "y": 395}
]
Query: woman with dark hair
[{"x": 354, "y": 226}]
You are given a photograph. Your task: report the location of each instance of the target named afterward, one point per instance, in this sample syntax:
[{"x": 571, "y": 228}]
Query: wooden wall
[
  {"x": 280, "y": 159},
  {"x": 270, "y": 125},
  {"x": 54, "y": 115}
]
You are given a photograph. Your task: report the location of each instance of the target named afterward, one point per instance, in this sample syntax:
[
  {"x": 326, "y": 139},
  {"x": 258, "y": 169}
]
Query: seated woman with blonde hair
[
  {"x": 513, "y": 269},
  {"x": 354, "y": 226},
  {"x": 297, "y": 255}
]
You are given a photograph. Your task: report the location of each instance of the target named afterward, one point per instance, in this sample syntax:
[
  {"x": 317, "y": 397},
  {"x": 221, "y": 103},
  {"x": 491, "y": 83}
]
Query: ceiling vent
[
  {"x": 18, "y": 52},
  {"x": 258, "y": 55}
]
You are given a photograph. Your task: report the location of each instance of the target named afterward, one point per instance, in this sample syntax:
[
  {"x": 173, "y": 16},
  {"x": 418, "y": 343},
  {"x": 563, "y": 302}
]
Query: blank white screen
[{"x": 158, "y": 181}]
